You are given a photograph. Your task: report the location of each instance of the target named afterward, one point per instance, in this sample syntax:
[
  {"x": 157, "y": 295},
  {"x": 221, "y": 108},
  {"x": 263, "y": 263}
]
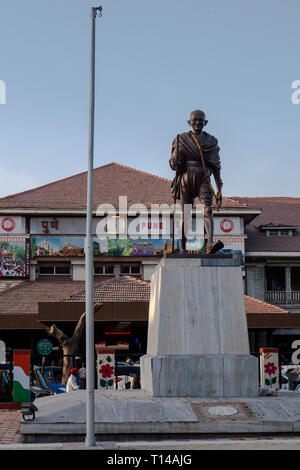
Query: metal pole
[{"x": 89, "y": 256}]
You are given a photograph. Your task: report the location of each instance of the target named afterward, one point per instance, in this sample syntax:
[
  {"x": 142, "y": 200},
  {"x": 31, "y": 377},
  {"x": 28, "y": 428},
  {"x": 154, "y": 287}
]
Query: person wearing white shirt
[{"x": 72, "y": 384}]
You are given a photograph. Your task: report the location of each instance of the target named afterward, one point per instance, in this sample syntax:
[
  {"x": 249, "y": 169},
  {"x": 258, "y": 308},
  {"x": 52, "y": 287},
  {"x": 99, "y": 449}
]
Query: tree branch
[{"x": 58, "y": 334}]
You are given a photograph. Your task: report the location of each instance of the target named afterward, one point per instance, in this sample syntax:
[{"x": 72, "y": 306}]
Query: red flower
[
  {"x": 270, "y": 368},
  {"x": 106, "y": 371}
]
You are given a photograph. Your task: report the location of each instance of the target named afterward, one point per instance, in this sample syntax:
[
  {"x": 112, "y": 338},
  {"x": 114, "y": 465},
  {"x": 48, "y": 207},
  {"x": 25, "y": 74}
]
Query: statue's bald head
[
  {"x": 197, "y": 121},
  {"x": 197, "y": 114}
]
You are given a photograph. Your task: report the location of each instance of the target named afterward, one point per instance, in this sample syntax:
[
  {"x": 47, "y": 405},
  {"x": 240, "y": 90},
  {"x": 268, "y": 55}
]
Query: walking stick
[{"x": 175, "y": 193}]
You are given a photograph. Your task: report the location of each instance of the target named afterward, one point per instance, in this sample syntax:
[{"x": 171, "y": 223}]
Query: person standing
[
  {"x": 129, "y": 361},
  {"x": 72, "y": 384},
  {"x": 82, "y": 377}
]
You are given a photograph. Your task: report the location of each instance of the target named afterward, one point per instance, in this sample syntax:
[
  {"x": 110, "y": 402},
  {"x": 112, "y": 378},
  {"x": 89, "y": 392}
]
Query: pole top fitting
[{"x": 97, "y": 9}]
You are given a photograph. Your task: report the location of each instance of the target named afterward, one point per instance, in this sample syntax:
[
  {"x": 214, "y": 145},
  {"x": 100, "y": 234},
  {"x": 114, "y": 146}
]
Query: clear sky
[{"x": 155, "y": 62}]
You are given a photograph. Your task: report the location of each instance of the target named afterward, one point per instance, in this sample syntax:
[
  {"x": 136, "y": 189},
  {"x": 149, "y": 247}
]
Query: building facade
[
  {"x": 42, "y": 263},
  {"x": 272, "y": 258}
]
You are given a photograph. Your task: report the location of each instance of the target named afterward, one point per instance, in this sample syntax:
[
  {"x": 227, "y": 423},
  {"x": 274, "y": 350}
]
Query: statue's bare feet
[{"x": 214, "y": 247}]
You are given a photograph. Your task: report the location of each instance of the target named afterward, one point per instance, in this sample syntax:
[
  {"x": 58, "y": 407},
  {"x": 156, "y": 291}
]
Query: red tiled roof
[
  {"x": 24, "y": 298},
  {"x": 130, "y": 289},
  {"x": 9, "y": 284},
  {"x": 253, "y": 305},
  {"x": 109, "y": 182},
  {"x": 257, "y": 242},
  {"x": 276, "y": 211},
  {"x": 122, "y": 289}
]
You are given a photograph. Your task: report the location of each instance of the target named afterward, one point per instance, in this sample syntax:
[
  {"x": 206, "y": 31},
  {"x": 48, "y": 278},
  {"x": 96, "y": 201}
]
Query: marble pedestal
[{"x": 197, "y": 333}]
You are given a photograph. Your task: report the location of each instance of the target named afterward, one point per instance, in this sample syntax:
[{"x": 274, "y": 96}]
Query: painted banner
[
  {"x": 14, "y": 257},
  {"x": 77, "y": 225},
  {"x": 269, "y": 370},
  {"x": 61, "y": 246},
  {"x": 74, "y": 246},
  {"x": 105, "y": 369},
  {"x": 21, "y": 372}
]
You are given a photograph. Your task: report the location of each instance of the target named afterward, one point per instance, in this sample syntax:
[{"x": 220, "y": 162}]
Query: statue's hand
[
  {"x": 172, "y": 163},
  {"x": 219, "y": 199}
]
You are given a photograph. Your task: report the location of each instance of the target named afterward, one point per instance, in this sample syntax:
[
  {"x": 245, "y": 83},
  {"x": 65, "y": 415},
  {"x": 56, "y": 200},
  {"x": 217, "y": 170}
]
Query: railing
[{"x": 282, "y": 297}]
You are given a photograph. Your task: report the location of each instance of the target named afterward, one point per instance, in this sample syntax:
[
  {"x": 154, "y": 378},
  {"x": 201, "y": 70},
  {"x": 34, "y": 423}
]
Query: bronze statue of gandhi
[{"x": 195, "y": 157}]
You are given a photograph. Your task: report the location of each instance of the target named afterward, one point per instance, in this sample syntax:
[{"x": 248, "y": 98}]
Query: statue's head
[{"x": 197, "y": 121}]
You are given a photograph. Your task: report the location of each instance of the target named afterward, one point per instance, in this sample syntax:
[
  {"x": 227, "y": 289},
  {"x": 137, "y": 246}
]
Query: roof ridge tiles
[
  {"x": 55, "y": 182},
  {"x": 231, "y": 199},
  {"x": 140, "y": 171},
  {"x": 63, "y": 194},
  {"x": 42, "y": 186},
  {"x": 80, "y": 174},
  {"x": 265, "y": 198}
]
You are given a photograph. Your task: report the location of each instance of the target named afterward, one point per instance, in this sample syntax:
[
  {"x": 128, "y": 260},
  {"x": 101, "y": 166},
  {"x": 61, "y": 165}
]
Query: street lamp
[{"x": 89, "y": 256}]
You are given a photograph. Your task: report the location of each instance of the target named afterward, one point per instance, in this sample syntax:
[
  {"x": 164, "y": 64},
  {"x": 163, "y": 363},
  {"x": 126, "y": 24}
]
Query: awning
[{"x": 110, "y": 311}]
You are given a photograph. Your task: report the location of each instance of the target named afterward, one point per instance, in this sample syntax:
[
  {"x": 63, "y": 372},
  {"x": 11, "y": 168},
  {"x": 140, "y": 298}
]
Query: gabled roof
[
  {"x": 109, "y": 182},
  {"x": 276, "y": 212},
  {"x": 131, "y": 289},
  {"x": 25, "y": 297}
]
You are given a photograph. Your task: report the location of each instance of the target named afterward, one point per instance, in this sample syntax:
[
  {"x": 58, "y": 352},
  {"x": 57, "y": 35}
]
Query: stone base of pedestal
[
  {"x": 198, "y": 342},
  {"x": 200, "y": 375}
]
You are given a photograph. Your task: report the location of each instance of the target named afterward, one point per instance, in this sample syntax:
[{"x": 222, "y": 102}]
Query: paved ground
[
  {"x": 9, "y": 426},
  {"x": 10, "y": 439},
  {"x": 180, "y": 447}
]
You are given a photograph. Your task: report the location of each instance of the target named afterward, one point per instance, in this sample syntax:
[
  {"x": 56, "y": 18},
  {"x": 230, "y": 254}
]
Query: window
[
  {"x": 275, "y": 277},
  {"x": 130, "y": 269},
  {"x": 273, "y": 233},
  {"x": 279, "y": 231},
  {"x": 104, "y": 269},
  {"x": 135, "y": 270},
  {"x": 54, "y": 270},
  {"x": 46, "y": 269},
  {"x": 109, "y": 269},
  {"x": 62, "y": 269},
  {"x": 125, "y": 269},
  {"x": 99, "y": 269},
  {"x": 295, "y": 278}
]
